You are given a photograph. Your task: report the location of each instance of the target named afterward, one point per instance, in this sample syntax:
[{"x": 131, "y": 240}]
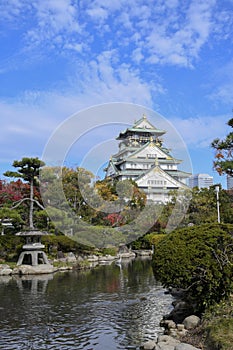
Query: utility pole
[{"x": 217, "y": 194}]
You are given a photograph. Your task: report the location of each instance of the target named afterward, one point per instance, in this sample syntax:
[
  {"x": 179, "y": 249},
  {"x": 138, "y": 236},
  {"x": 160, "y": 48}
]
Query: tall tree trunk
[{"x": 31, "y": 206}]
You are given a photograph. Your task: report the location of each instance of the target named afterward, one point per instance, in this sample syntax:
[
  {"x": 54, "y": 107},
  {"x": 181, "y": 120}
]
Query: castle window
[
  {"x": 156, "y": 182},
  {"x": 151, "y": 156}
]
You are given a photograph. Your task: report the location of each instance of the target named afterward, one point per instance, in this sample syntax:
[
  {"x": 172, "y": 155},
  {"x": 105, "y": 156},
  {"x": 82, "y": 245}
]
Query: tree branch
[{"x": 27, "y": 199}]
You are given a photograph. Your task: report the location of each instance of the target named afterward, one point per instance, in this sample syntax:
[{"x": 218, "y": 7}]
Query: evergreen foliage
[
  {"x": 147, "y": 241},
  {"x": 53, "y": 244},
  {"x": 224, "y": 148},
  {"x": 198, "y": 259},
  {"x": 10, "y": 247},
  {"x": 28, "y": 170}
]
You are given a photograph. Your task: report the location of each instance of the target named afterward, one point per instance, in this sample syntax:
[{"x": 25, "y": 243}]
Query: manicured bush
[
  {"x": 53, "y": 244},
  {"x": 154, "y": 238},
  {"x": 147, "y": 241},
  {"x": 198, "y": 259},
  {"x": 10, "y": 247}
]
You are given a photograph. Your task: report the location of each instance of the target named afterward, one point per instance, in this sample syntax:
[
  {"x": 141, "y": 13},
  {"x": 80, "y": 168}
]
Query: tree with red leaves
[
  {"x": 224, "y": 153},
  {"x": 114, "y": 219}
]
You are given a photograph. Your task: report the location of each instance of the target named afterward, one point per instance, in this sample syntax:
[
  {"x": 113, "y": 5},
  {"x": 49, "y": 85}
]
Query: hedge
[{"x": 198, "y": 259}]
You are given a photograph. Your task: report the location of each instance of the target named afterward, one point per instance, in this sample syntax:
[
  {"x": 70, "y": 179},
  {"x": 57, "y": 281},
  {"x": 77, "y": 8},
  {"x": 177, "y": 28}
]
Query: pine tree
[
  {"x": 28, "y": 170},
  {"x": 224, "y": 148}
]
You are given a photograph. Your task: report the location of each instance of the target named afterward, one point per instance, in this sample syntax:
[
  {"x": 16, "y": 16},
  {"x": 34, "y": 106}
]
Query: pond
[{"x": 108, "y": 307}]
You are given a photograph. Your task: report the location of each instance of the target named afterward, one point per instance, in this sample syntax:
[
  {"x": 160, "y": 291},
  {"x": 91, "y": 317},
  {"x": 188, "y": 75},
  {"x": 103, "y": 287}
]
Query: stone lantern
[{"x": 32, "y": 254}]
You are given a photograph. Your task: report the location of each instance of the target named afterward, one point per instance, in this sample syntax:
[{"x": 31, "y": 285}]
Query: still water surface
[{"x": 106, "y": 308}]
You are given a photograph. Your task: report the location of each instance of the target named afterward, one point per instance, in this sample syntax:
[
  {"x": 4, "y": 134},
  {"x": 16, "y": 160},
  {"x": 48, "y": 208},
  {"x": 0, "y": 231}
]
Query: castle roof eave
[
  {"x": 163, "y": 172},
  {"x": 148, "y": 161},
  {"x": 181, "y": 173},
  {"x": 139, "y": 149},
  {"x": 157, "y": 132},
  {"x": 113, "y": 164}
]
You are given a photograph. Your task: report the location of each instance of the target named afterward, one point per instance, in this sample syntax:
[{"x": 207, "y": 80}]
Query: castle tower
[{"x": 143, "y": 158}]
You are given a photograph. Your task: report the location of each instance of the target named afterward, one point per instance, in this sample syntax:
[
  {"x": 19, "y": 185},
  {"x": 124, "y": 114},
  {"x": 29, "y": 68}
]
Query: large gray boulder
[
  {"x": 162, "y": 346},
  {"x": 149, "y": 345},
  {"x": 182, "y": 309},
  {"x": 184, "y": 346},
  {"x": 5, "y": 270},
  {"x": 33, "y": 270},
  {"x": 166, "y": 342},
  {"x": 191, "y": 322},
  {"x": 71, "y": 258}
]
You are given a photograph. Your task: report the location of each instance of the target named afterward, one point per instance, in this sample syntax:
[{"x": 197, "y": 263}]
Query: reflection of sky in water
[{"x": 107, "y": 306}]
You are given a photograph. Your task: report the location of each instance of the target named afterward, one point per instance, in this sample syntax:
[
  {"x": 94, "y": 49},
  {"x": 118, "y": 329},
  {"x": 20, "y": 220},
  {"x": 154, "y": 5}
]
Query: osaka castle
[{"x": 143, "y": 158}]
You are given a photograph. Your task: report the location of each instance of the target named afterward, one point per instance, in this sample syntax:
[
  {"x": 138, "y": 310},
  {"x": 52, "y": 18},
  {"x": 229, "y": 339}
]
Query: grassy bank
[
  {"x": 216, "y": 329},
  {"x": 218, "y": 326}
]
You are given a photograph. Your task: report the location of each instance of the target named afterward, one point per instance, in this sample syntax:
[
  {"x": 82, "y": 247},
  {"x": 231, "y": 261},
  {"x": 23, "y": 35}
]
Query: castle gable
[
  {"x": 143, "y": 123},
  {"x": 150, "y": 151},
  {"x": 156, "y": 177},
  {"x": 111, "y": 169}
]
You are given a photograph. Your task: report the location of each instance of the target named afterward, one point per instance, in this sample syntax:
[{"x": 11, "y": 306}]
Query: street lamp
[{"x": 217, "y": 194}]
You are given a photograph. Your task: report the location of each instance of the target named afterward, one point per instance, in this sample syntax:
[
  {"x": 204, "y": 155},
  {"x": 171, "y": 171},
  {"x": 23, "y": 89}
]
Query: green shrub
[
  {"x": 10, "y": 247},
  {"x": 109, "y": 251},
  {"x": 198, "y": 259},
  {"x": 147, "y": 241},
  {"x": 154, "y": 238},
  {"x": 53, "y": 244}
]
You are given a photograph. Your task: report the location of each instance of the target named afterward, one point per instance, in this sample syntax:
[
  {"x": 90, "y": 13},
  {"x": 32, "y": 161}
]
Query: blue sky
[{"x": 59, "y": 57}]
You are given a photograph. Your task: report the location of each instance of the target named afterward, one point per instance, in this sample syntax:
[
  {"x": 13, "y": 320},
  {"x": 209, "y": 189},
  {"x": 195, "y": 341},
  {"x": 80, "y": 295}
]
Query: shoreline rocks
[
  {"x": 167, "y": 343},
  {"x": 176, "y": 325},
  {"x": 74, "y": 262},
  {"x": 172, "y": 334},
  {"x": 5, "y": 270}
]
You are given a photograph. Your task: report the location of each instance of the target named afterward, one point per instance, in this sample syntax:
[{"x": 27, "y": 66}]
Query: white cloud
[
  {"x": 222, "y": 84},
  {"x": 178, "y": 39},
  {"x": 199, "y": 132},
  {"x": 108, "y": 5},
  {"x": 137, "y": 55},
  {"x": 53, "y": 19},
  {"x": 224, "y": 19},
  {"x": 98, "y": 14},
  {"x": 11, "y": 9},
  {"x": 223, "y": 94},
  {"x": 168, "y": 32},
  {"x": 28, "y": 121}
]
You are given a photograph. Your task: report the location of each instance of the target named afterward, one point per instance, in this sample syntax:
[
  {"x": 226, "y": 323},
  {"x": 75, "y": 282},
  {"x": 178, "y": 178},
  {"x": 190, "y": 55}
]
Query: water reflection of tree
[{"x": 82, "y": 305}]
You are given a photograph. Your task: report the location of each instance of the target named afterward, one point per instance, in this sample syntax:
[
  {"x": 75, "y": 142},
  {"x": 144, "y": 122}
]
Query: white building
[
  {"x": 201, "y": 181},
  {"x": 229, "y": 182},
  {"x": 142, "y": 158}
]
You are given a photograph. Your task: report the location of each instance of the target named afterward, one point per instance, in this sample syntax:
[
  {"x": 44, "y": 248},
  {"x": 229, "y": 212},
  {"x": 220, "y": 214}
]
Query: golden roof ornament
[{"x": 151, "y": 142}]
